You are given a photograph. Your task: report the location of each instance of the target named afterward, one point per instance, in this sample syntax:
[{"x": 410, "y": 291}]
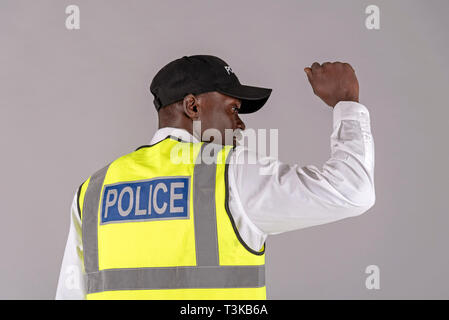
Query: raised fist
[{"x": 333, "y": 82}]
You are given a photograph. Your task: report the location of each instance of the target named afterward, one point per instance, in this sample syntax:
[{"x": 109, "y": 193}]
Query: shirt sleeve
[
  {"x": 71, "y": 283},
  {"x": 278, "y": 197}
]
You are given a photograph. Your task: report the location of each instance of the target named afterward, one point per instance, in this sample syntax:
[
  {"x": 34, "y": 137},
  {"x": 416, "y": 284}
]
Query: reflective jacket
[{"x": 156, "y": 225}]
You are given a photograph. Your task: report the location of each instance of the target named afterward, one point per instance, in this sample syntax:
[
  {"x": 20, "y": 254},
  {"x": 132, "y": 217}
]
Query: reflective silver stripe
[
  {"x": 90, "y": 220},
  {"x": 205, "y": 220},
  {"x": 177, "y": 278}
]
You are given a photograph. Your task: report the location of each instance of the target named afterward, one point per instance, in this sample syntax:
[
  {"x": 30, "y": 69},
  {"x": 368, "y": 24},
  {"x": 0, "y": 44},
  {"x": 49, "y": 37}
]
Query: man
[{"x": 150, "y": 226}]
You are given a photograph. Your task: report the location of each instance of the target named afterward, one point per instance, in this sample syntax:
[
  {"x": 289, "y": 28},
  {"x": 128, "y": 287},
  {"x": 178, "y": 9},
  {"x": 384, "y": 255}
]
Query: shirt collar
[{"x": 162, "y": 133}]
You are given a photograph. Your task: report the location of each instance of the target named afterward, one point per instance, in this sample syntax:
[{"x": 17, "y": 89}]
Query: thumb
[{"x": 308, "y": 71}]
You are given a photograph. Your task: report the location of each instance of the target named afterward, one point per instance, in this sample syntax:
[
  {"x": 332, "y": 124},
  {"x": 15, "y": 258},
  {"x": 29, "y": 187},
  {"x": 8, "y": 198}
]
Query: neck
[{"x": 186, "y": 125}]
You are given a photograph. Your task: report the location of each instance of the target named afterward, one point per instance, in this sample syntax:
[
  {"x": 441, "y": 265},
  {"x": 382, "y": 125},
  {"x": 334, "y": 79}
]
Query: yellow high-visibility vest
[{"x": 156, "y": 225}]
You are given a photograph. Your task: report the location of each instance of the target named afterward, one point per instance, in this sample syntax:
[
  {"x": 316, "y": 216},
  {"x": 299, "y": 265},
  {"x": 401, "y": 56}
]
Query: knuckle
[{"x": 348, "y": 66}]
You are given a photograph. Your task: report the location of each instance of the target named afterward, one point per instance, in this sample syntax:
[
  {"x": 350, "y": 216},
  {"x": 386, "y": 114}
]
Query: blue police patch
[{"x": 153, "y": 199}]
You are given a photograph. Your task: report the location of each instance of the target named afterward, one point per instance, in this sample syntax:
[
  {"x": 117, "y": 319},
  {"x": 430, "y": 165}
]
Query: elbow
[
  {"x": 370, "y": 195},
  {"x": 369, "y": 203},
  {"x": 372, "y": 198},
  {"x": 363, "y": 200}
]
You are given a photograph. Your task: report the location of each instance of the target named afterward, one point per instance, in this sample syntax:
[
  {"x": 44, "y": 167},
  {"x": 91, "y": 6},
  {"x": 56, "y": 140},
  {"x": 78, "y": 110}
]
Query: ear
[{"x": 191, "y": 108}]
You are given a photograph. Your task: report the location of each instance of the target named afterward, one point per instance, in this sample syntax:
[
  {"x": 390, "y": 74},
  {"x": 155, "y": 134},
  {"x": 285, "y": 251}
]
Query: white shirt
[{"x": 290, "y": 198}]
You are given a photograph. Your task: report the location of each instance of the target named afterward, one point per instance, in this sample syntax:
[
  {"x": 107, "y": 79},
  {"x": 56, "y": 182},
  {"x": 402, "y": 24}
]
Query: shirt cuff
[{"x": 350, "y": 110}]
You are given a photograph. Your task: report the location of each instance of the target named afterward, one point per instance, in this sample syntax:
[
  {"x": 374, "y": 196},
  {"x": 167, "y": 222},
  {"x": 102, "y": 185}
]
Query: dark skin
[
  {"x": 213, "y": 109},
  {"x": 331, "y": 82}
]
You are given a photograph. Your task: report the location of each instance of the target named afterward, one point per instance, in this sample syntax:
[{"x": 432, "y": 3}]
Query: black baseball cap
[{"x": 203, "y": 73}]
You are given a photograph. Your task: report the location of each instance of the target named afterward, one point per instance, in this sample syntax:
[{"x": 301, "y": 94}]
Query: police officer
[{"x": 162, "y": 224}]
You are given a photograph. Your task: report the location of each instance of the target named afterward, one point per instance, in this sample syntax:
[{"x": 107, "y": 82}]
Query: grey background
[{"x": 71, "y": 101}]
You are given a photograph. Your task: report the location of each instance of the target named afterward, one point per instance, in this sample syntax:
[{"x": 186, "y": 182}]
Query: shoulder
[
  {"x": 81, "y": 191},
  {"x": 245, "y": 161}
]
